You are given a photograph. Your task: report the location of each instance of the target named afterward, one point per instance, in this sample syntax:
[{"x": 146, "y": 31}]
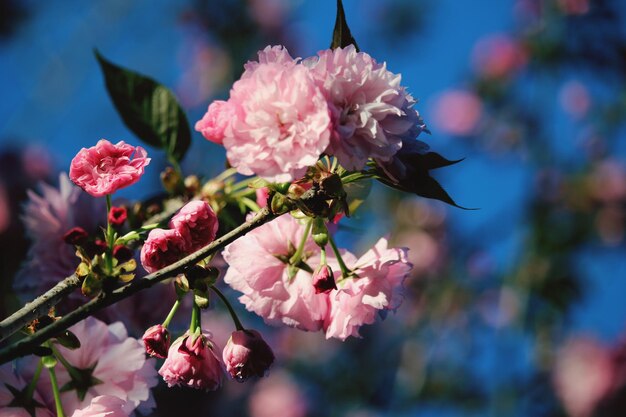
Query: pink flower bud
[
  {"x": 117, "y": 216},
  {"x": 75, "y": 236},
  {"x": 323, "y": 280},
  {"x": 197, "y": 223},
  {"x": 192, "y": 362},
  {"x": 246, "y": 354},
  {"x": 162, "y": 248},
  {"x": 157, "y": 341},
  {"x": 122, "y": 253},
  {"x": 105, "y": 168},
  {"x": 215, "y": 121}
]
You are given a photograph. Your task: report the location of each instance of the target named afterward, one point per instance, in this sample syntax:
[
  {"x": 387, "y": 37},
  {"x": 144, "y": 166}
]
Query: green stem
[
  {"x": 56, "y": 393},
  {"x": 225, "y": 174},
  {"x": 70, "y": 369},
  {"x": 33, "y": 381},
  {"x": 250, "y": 204},
  {"x": 345, "y": 271},
  {"x": 169, "y": 317},
  {"x": 236, "y": 320},
  {"x": 323, "y": 256},
  {"x": 195, "y": 319},
  {"x": 108, "y": 255},
  {"x": 295, "y": 259}
]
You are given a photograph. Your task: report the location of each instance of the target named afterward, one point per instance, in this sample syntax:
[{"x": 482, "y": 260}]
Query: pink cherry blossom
[
  {"x": 197, "y": 223},
  {"x": 48, "y": 216},
  {"x": 162, "y": 248},
  {"x": 115, "y": 359},
  {"x": 246, "y": 354},
  {"x": 105, "y": 168},
  {"x": 371, "y": 111},
  {"x": 381, "y": 272},
  {"x": 103, "y": 406},
  {"x": 9, "y": 378},
  {"x": 279, "y": 395},
  {"x": 215, "y": 121},
  {"x": 257, "y": 270},
  {"x": 281, "y": 121},
  {"x": 157, "y": 341},
  {"x": 191, "y": 361}
]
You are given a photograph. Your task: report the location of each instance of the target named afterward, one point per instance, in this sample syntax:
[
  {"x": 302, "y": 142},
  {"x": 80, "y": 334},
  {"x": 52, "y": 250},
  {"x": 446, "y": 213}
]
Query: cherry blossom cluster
[{"x": 284, "y": 113}]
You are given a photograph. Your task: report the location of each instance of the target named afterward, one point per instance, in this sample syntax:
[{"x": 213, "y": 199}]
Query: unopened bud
[
  {"x": 170, "y": 179},
  {"x": 122, "y": 253},
  {"x": 156, "y": 341},
  {"x": 117, "y": 216},
  {"x": 75, "y": 236},
  {"x": 324, "y": 280},
  {"x": 280, "y": 204},
  {"x": 246, "y": 354},
  {"x": 192, "y": 184}
]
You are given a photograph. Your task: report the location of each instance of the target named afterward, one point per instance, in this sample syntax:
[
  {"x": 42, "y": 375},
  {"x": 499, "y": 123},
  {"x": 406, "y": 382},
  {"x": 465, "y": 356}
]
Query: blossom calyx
[{"x": 246, "y": 354}]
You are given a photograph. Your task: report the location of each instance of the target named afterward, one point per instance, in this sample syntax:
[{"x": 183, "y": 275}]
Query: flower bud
[
  {"x": 122, "y": 253},
  {"x": 117, "y": 216},
  {"x": 191, "y": 361},
  {"x": 75, "y": 236},
  {"x": 246, "y": 354},
  {"x": 157, "y": 341},
  {"x": 323, "y": 280},
  {"x": 171, "y": 180},
  {"x": 97, "y": 247}
]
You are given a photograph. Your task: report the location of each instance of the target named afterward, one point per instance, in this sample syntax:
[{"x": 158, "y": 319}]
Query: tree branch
[
  {"x": 26, "y": 345},
  {"x": 38, "y": 307}
]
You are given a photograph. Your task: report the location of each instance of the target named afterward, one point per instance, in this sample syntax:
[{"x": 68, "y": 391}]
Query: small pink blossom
[
  {"x": 103, "y": 406},
  {"x": 498, "y": 56},
  {"x": 113, "y": 358},
  {"x": 197, "y": 223},
  {"x": 157, "y": 341},
  {"x": 381, "y": 272},
  {"x": 191, "y": 361},
  {"x": 458, "y": 112},
  {"x": 9, "y": 378},
  {"x": 214, "y": 123},
  {"x": 246, "y": 354},
  {"x": 281, "y": 121},
  {"x": 324, "y": 280},
  {"x": 105, "y": 168},
  {"x": 371, "y": 112},
  {"x": 162, "y": 248},
  {"x": 117, "y": 216},
  {"x": 262, "y": 194},
  {"x": 257, "y": 268}
]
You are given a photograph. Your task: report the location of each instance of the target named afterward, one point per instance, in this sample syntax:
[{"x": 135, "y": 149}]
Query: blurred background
[{"x": 516, "y": 309}]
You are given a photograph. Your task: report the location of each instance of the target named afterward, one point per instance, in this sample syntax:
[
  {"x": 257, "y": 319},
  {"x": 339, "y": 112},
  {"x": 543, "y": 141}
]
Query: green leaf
[
  {"x": 148, "y": 109},
  {"x": 341, "y": 34},
  {"x": 68, "y": 339}
]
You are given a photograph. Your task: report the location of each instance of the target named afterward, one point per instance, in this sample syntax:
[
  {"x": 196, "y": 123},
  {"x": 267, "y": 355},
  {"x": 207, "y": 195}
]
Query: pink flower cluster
[
  {"x": 193, "y": 227},
  {"x": 105, "y": 168},
  {"x": 283, "y": 113},
  {"x": 257, "y": 269}
]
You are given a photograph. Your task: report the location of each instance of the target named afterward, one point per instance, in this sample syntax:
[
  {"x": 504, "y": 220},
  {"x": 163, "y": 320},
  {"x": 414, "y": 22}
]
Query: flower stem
[
  {"x": 169, "y": 317},
  {"x": 323, "y": 256},
  {"x": 297, "y": 257},
  {"x": 345, "y": 271},
  {"x": 236, "y": 320},
  {"x": 108, "y": 255},
  {"x": 56, "y": 393},
  {"x": 195, "y": 319},
  {"x": 33, "y": 381}
]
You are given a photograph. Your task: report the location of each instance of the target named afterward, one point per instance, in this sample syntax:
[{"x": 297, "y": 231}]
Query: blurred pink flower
[
  {"x": 575, "y": 99},
  {"x": 48, "y": 216},
  {"x": 573, "y": 7},
  {"x": 262, "y": 194},
  {"x": 5, "y": 209},
  {"x": 116, "y": 360},
  {"x": 279, "y": 395},
  {"x": 281, "y": 122},
  {"x": 105, "y": 168},
  {"x": 163, "y": 247},
  {"x": 10, "y": 380},
  {"x": 214, "y": 122},
  {"x": 192, "y": 362},
  {"x": 256, "y": 270},
  {"x": 498, "y": 56},
  {"x": 381, "y": 272},
  {"x": 608, "y": 181},
  {"x": 371, "y": 111},
  {"x": 583, "y": 375},
  {"x": 457, "y": 112},
  {"x": 197, "y": 223},
  {"x": 246, "y": 354},
  {"x": 37, "y": 162},
  {"x": 270, "y": 14},
  {"x": 103, "y": 406}
]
